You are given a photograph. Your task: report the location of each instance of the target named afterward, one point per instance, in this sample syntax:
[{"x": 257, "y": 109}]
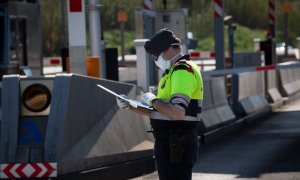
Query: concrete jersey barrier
[
  {"x": 273, "y": 95},
  {"x": 216, "y": 110},
  {"x": 289, "y": 82},
  {"x": 248, "y": 90}
]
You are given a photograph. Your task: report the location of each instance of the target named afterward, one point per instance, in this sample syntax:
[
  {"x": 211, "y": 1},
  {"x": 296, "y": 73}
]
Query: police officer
[{"x": 177, "y": 107}]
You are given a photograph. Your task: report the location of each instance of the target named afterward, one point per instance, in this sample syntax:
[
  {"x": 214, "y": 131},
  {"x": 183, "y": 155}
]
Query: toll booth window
[
  {"x": 166, "y": 18},
  {"x": 13, "y": 40},
  {"x": 17, "y": 38},
  {"x": 1, "y": 36}
]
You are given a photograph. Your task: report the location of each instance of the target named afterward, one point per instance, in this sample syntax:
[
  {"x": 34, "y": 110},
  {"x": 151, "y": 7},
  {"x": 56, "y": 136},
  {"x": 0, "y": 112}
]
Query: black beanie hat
[{"x": 160, "y": 42}]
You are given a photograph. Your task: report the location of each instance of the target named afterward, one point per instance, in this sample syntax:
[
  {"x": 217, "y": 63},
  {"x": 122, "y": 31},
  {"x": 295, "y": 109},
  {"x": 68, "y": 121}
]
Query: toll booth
[
  {"x": 20, "y": 37},
  {"x": 175, "y": 20},
  {"x": 248, "y": 59}
]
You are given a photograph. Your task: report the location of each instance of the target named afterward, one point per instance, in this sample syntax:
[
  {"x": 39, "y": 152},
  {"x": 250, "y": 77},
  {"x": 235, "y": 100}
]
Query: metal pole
[
  {"x": 298, "y": 40},
  {"x": 219, "y": 33},
  {"x": 231, "y": 44},
  {"x": 286, "y": 36},
  {"x": 122, "y": 27},
  {"x": 95, "y": 32},
  {"x": 94, "y": 25},
  {"x": 63, "y": 21}
]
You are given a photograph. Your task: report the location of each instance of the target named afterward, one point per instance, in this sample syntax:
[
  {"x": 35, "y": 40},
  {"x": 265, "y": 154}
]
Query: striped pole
[
  {"x": 272, "y": 18},
  {"x": 218, "y": 8},
  {"x": 149, "y": 8},
  {"x": 219, "y": 33},
  {"x": 148, "y": 5}
]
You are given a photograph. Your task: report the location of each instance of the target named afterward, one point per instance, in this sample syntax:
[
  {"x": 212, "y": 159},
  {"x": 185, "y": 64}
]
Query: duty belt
[{"x": 165, "y": 134}]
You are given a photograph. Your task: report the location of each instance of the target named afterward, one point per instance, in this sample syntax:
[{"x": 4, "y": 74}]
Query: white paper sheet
[{"x": 132, "y": 102}]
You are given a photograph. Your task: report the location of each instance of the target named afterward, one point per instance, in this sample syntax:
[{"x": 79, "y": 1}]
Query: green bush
[
  {"x": 243, "y": 39},
  {"x": 113, "y": 40}
]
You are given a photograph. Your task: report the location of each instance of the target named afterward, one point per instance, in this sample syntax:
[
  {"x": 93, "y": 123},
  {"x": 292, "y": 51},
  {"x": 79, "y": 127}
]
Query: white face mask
[{"x": 164, "y": 64}]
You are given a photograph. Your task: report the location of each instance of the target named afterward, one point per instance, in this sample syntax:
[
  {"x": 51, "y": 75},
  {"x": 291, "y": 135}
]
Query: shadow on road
[{"x": 270, "y": 145}]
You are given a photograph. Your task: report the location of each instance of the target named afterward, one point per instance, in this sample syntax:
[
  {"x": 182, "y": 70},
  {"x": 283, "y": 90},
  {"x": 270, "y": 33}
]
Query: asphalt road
[{"x": 267, "y": 149}]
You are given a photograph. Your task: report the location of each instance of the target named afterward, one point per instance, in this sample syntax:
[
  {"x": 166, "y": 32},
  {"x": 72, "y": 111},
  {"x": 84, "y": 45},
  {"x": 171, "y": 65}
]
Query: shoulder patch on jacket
[{"x": 183, "y": 65}]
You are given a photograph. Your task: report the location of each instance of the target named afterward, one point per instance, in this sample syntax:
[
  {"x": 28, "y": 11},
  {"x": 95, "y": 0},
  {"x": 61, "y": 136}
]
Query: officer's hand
[
  {"x": 147, "y": 98},
  {"x": 122, "y": 103}
]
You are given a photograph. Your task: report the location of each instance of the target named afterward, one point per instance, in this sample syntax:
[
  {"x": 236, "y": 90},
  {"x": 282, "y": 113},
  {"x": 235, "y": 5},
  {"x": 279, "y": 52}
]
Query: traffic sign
[
  {"x": 30, "y": 133},
  {"x": 122, "y": 16},
  {"x": 286, "y": 8},
  {"x": 218, "y": 8},
  {"x": 28, "y": 170}
]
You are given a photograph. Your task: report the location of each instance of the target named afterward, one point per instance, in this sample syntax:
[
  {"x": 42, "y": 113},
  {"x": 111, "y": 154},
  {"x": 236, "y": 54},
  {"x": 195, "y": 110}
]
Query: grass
[{"x": 113, "y": 40}]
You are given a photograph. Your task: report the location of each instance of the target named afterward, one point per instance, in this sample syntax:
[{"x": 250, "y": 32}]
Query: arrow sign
[{"x": 28, "y": 170}]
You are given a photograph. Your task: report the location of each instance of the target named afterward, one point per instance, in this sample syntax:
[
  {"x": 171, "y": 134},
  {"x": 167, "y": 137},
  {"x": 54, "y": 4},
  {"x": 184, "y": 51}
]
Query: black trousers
[{"x": 176, "y": 171}]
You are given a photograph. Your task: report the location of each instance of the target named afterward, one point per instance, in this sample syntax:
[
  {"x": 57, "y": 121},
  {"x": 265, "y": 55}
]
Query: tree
[{"x": 51, "y": 27}]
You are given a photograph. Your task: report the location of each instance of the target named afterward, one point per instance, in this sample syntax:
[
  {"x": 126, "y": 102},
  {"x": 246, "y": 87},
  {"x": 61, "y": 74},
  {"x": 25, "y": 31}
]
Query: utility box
[
  {"x": 176, "y": 21},
  {"x": 268, "y": 47},
  {"x": 173, "y": 19},
  {"x": 247, "y": 59}
]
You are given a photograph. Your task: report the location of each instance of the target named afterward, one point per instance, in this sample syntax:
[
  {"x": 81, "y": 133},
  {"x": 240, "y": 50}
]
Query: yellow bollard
[{"x": 92, "y": 66}]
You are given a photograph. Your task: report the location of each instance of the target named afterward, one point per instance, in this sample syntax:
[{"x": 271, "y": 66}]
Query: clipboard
[{"x": 133, "y": 103}]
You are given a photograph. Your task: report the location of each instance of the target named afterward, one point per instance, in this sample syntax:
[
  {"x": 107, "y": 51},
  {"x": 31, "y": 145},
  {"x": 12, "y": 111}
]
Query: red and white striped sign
[
  {"x": 149, "y": 8},
  {"x": 218, "y": 8},
  {"x": 28, "y": 170},
  {"x": 148, "y": 5},
  {"x": 271, "y": 13}
]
